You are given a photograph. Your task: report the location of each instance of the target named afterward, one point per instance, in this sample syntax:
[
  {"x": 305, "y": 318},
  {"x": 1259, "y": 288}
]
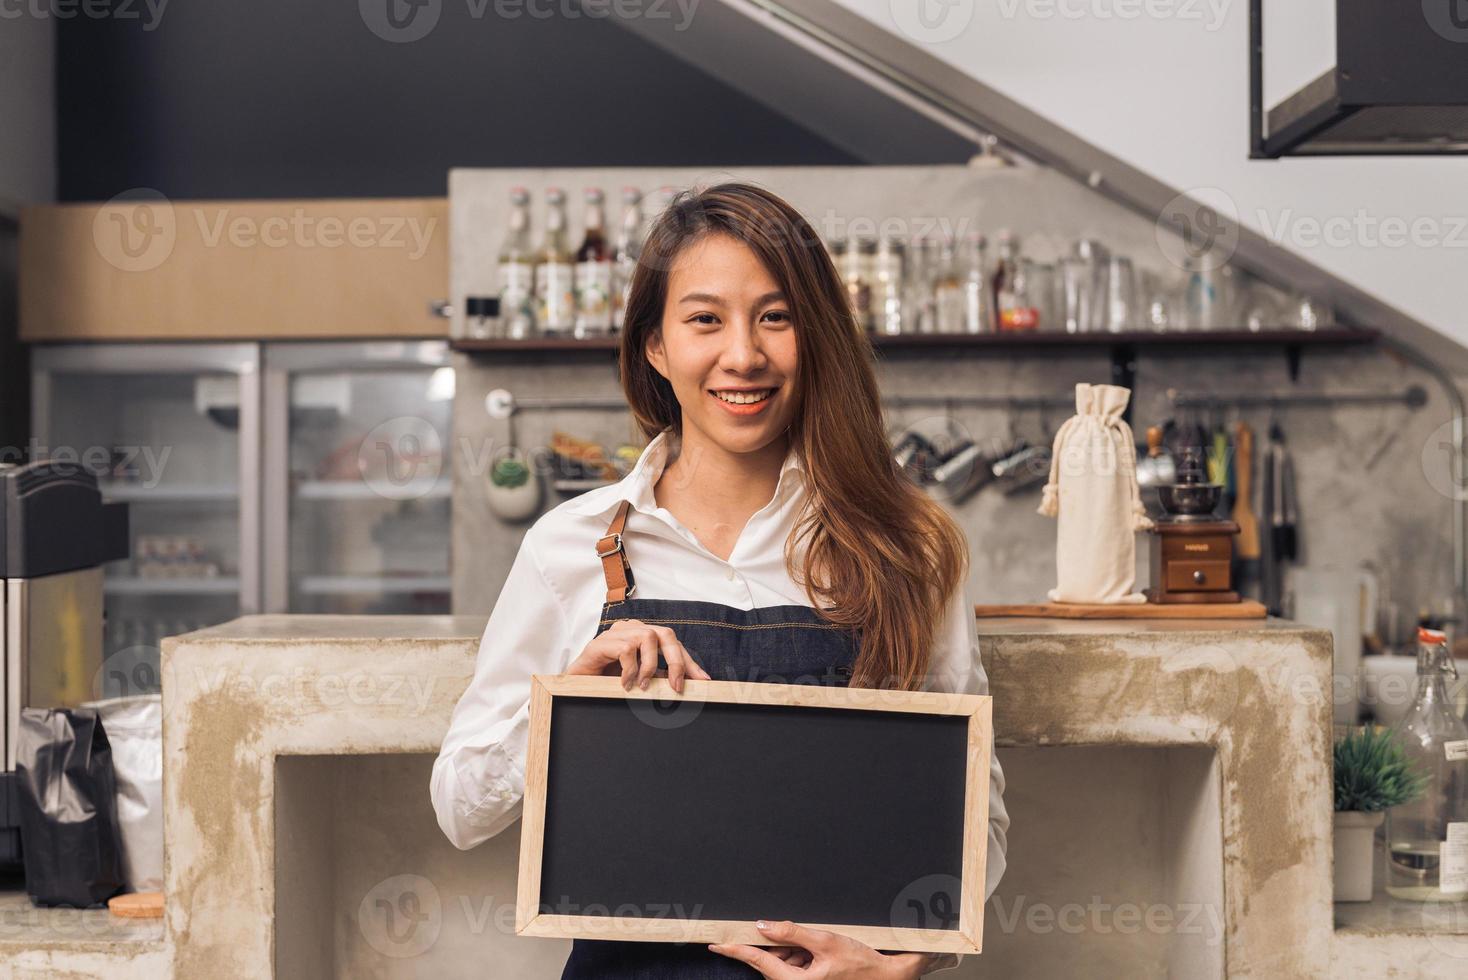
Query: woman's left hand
[{"x": 829, "y": 955}]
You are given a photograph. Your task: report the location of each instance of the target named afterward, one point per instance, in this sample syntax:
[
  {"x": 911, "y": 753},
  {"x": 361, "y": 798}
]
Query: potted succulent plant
[
  {"x": 1372, "y": 774},
  {"x": 514, "y": 489}
]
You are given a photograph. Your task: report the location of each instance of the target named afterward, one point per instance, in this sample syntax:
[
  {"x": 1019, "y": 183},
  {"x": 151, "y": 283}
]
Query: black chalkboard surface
[{"x": 653, "y": 816}]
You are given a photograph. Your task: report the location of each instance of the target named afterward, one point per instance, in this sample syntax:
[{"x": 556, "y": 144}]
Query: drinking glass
[
  {"x": 1121, "y": 295},
  {"x": 1077, "y": 281}
]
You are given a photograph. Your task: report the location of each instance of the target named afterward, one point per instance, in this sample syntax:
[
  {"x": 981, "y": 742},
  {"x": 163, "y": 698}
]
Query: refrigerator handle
[
  {"x": 275, "y": 488},
  {"x": 250, "y": 490}
]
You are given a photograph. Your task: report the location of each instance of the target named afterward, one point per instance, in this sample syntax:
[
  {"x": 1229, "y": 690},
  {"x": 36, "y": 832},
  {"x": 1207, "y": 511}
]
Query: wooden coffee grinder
[{"x": 1192, "y": 548}]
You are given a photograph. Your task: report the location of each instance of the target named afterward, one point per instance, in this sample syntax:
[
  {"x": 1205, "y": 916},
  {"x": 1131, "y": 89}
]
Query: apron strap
[{"x": 614, "y": 565}]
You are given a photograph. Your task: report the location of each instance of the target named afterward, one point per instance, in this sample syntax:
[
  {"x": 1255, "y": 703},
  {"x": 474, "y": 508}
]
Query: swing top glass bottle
[{"x": 1427, "y": 839}]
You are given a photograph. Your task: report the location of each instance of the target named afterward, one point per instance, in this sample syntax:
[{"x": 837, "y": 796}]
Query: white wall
[
  {"x": 1168, "y": 93},
  {"x": 27, "y": 109}
]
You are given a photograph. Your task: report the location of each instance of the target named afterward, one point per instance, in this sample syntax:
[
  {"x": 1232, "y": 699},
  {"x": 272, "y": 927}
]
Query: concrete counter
[{"x": 1168, "y": 784}]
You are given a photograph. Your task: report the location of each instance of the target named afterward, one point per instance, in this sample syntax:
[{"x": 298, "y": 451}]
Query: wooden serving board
[
  {"x": 137, "y": 905},
  {"x": 1247, "y": 609}
]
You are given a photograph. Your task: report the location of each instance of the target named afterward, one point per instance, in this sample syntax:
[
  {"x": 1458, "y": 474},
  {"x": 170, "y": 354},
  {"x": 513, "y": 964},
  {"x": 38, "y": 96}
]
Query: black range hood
[{"x": 1399, "y": 85}]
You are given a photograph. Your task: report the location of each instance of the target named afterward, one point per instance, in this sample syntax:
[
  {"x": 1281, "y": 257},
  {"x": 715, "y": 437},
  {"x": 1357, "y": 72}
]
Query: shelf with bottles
[
  {"x": 908, "y": 291},
  {"x": 1007, "y": 340},
  {"x": 555, "y": 285}
]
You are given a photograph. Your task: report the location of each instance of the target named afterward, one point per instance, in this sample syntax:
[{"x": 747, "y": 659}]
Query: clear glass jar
[
  {"x": 921, "y": 304},
  {"x": 978, "y": 314},
  {"x": 948, "y": 291},
  {"x": 854, "y": 261},
  {"x": 888, "y": 286},
  {"x": 1427, "y": 839}
]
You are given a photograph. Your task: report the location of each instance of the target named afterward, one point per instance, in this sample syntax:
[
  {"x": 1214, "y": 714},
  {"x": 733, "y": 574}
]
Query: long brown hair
[{"x": 874, "y": 553}]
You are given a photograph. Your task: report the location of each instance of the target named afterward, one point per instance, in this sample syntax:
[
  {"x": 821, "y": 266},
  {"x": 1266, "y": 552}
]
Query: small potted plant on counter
[
  {"x": 1372, "y": 774},
  {"x": 514, "y": 490}
]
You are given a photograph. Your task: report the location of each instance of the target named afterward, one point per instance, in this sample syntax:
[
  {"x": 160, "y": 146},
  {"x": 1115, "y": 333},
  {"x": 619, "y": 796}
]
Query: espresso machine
[{"x": 56, "y": 532}]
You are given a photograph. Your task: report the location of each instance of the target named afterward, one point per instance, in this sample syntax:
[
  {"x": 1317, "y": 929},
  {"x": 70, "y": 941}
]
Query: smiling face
[{"x": 727, "y": 346}]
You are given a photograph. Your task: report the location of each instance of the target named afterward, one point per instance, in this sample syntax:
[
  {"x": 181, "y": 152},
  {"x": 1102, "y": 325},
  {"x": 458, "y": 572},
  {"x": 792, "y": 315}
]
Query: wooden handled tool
[{"x": 1243, "y": 514}]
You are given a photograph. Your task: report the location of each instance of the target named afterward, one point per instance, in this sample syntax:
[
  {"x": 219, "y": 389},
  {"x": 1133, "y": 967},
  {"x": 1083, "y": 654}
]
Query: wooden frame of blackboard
[{"x": 967, "y": 938}]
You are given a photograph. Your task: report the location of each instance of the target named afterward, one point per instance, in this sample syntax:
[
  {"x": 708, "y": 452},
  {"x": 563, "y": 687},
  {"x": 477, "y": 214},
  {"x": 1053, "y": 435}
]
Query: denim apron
[{"x": 773, "y": 644}]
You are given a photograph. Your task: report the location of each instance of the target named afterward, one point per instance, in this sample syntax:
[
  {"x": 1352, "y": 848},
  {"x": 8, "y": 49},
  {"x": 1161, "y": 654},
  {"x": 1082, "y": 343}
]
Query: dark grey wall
[
  {"x": 15, "y": 381},
  {"x": 299, "y": 98}
]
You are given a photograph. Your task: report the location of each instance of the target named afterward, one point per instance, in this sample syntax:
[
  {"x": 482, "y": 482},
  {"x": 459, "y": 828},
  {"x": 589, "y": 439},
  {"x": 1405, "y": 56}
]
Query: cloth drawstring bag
[{"x": 1094, "y": 496}]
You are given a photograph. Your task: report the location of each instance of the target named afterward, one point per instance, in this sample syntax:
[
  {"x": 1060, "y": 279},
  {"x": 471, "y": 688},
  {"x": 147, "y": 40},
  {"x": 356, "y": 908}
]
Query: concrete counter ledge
[{"x": 1168, "y": 784}]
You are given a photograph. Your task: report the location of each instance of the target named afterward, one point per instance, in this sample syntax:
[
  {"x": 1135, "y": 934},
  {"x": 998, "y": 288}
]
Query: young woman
[{"x": 772, "y": 538}]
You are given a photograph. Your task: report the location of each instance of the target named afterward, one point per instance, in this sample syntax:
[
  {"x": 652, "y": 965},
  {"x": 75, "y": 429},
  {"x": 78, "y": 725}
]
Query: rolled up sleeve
[{"x": 478, "y": 779}]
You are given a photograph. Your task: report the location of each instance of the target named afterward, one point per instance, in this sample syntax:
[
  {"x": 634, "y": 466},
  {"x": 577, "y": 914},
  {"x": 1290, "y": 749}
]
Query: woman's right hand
[{"x": 631, "y": 647}]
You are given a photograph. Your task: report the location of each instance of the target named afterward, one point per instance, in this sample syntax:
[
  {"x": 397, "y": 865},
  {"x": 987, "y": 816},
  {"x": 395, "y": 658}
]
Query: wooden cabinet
[{"x": 206, "y": 270}]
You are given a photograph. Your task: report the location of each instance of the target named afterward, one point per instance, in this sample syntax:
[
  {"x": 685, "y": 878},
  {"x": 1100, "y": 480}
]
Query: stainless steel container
[{"x": 55, "y": 534}]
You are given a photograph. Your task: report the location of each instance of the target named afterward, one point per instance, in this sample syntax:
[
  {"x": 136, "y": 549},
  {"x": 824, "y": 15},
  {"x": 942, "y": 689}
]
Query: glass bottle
[
  {"x": 888, "y": 283},
  {"x": 973, "y": 267},
  {"x": 555, "y": 285},
  {"x": 517, "y": 271},
  {"x": 1044, "y": 293},
  {"x": 477, "y": 321},
  {"x": 1121, "y": 296},
  {"x": 1003, "y": 278},
  {"x": 662, "y": 200},
  {"x": 1209, "y": 295},
  {"x": 594, "y": 271},
  {"x": 919, "y": 290},
  {"x": 1427, "y": 839},
  {"x": 1013, "y": 309},
  {"x": 837, "y": 247},
  {"x": 948, "y": 291},
  {"x": 1089, "y": 265},
  {"x": 855, "y": 260},
  {"x": 624, "y": 257}
]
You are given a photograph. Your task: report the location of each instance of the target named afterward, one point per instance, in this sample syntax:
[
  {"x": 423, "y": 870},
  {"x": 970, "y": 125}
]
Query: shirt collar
[{"x": 637, "y": 486}]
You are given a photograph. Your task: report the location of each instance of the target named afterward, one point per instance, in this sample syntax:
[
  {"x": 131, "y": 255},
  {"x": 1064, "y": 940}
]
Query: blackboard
[{"x": 653, "y": 816}]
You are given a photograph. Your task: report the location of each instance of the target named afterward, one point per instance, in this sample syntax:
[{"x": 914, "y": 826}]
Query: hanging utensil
[
  {"x": 1246, "y": 549},
  {"x": 1157, "y": 467},
  {"x": 1283, "y": 518},
  {"x": 1217, "y": 449}
]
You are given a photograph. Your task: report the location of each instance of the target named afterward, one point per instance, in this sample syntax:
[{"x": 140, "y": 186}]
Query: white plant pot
[
  {"x": 515, "y": 503},
  {"x": 1355, "y": 832}
]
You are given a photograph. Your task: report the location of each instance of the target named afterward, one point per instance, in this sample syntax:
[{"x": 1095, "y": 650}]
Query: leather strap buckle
[{"x": 628, "y": 586}]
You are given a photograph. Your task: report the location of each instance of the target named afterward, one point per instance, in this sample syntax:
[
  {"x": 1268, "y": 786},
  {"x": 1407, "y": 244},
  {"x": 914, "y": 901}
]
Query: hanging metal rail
[{"x": 1413, "y": 397}]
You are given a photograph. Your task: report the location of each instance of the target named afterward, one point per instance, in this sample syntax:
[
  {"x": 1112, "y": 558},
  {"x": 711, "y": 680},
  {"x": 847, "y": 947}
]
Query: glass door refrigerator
[
  {"x": 357, "y": 478},
  {"x": 174, "y": 430}
]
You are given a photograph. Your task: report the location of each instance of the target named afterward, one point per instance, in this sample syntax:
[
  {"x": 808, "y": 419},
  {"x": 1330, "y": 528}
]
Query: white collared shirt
[{"x": 551, "y": 605}]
